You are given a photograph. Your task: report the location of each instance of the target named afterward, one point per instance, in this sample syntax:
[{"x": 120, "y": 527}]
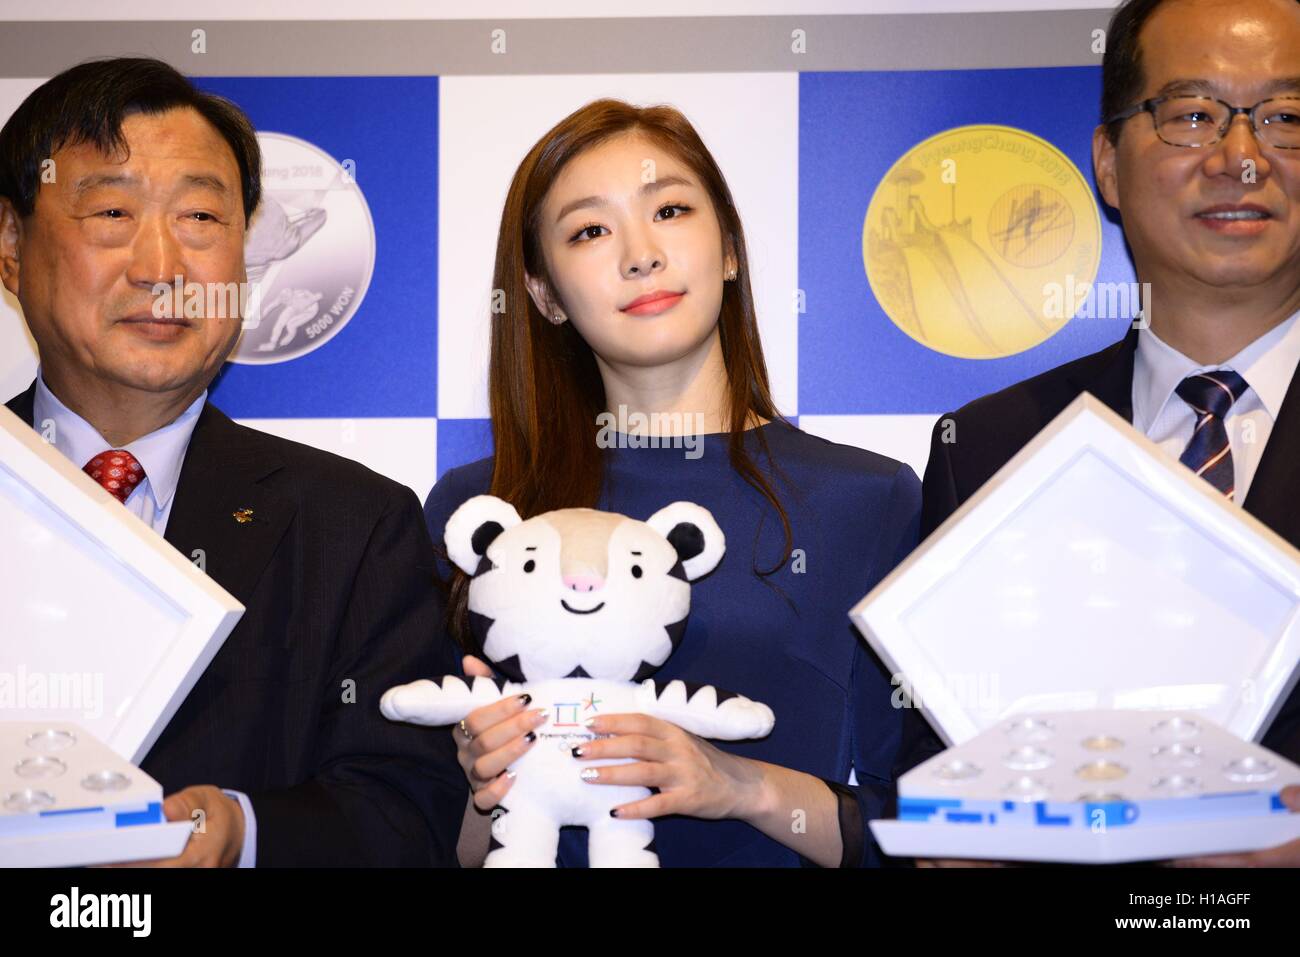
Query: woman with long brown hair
[{"x": 622, "y": 295}]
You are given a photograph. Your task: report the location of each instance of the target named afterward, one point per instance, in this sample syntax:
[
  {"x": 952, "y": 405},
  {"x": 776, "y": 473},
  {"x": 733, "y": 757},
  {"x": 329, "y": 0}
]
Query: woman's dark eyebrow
[{"x": 591, "y": 202}]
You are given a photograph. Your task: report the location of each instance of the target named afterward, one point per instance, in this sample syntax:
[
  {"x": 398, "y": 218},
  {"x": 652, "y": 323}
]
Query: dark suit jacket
[
  {"x": 990, "y": 430},
  {"x": 336, "y": 572}
]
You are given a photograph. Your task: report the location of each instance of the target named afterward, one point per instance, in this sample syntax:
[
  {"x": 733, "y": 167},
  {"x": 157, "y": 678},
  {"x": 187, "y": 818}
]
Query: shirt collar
[
  {"x": 160, "y": 453},
  {"x": 1267, "y": 364}
]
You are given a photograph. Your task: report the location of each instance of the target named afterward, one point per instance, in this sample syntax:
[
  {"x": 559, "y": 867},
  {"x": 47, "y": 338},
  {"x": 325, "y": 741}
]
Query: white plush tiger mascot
[{"x": 578, "y": 608}]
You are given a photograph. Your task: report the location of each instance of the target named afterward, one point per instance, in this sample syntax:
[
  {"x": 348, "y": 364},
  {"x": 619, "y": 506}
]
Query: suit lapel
[
  {"x": 220, "y": 477},
  {"x": 1271, "y": 497},
  {"x": 23, "y": 404},
  {"x": 1111, "y": 379}
]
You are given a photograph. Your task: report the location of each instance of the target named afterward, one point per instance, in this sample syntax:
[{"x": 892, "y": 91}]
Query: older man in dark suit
[
  {"x": 1199, "y": 150},
  {"x": 118, "y": 176}
]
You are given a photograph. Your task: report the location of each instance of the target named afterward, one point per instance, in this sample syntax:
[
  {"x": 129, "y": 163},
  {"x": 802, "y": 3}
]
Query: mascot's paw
[
  {"x": 424, "y": 702},
  {"x": 748, "y": 719}
]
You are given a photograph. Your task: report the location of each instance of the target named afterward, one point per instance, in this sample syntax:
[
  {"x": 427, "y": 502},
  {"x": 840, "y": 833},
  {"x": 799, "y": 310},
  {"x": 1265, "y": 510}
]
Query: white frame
[
  {"x": 212, "y": 612},
  {"x": 1086, "y": 424}
]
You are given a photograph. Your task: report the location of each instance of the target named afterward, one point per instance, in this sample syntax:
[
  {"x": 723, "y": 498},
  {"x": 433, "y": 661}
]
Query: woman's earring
[
  {"x": 731, "y": 275},
  {"x": 557, "y": 318}
]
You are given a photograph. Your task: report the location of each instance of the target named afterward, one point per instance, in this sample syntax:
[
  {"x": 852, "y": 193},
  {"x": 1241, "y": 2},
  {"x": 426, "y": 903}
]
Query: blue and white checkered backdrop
[{"x": 387, "y": 365}]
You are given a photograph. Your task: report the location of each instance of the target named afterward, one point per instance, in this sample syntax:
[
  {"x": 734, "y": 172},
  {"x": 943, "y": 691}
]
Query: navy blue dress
[{"x": 785, "y": 640}]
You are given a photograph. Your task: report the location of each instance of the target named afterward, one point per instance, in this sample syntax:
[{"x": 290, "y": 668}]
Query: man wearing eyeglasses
[{"x": 1199, "y": 151}]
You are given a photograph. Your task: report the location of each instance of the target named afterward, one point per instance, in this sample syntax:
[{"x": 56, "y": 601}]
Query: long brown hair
[{"x": 545, "y": 389}]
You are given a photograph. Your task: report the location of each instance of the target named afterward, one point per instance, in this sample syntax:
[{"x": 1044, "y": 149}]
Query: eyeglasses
[{"x": 1203, "y": 120}]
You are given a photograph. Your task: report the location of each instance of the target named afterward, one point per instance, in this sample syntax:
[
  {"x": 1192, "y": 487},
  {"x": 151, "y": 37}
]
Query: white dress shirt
[
  {"x": 160, "y": 454},
  {"x": 1267, "y": 364}
]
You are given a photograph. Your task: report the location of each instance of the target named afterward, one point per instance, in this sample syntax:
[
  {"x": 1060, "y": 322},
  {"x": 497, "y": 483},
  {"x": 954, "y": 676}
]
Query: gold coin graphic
[{"x": 970, "y": 232}]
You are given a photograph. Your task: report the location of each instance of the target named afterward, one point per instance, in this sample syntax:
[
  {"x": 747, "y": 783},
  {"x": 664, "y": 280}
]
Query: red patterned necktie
[{"x": 117, "y": 472}]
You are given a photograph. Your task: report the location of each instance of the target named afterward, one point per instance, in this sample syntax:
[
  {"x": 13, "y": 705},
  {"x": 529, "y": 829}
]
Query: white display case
[
  {"x": 1092, "y": 573},
  {"x": 106, "y": 626}
]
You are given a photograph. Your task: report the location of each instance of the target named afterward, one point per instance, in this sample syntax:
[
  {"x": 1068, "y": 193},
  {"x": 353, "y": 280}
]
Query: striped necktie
[{"x": 1209, "y": 454}]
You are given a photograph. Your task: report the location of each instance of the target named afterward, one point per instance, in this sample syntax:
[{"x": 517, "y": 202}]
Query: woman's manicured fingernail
[
  {"x": 511, "y": 774},
  {"x": 530, "y": 737},
  {"x": 577, "y": 752},
  {"x": 525, "y": 700},
  {"x": 613, "y": 812},
  {"x": 588, "y": 723},
  {"x": 589, "y": 774}
]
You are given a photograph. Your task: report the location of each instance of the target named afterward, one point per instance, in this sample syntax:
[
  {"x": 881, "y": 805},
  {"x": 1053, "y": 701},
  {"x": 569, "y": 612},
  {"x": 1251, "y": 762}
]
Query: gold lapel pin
[{"x": 243, "y": 516}]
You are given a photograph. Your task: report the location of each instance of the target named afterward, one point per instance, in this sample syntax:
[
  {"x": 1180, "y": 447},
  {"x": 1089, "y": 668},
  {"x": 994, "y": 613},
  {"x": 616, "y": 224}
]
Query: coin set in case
[
  {"x": 1100, "y": 638},
  {"x": 67, "y": 799},
  {"x": 1093, "y": 771}
]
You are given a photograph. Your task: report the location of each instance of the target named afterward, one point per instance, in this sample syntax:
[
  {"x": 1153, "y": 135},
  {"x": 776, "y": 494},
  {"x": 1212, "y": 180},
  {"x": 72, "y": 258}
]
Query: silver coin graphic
[{"x": 310, "y": 252}]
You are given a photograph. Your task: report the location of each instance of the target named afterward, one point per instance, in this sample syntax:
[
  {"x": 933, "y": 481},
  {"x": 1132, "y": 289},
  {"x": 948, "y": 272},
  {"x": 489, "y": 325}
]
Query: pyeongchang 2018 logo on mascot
[{"x": 310, "y": 252}]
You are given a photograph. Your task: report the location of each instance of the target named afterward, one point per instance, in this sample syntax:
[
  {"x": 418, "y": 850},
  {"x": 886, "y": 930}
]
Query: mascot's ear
[
  {"x": 692, "y": 531},
  {"x": 473, "y": 526}
]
